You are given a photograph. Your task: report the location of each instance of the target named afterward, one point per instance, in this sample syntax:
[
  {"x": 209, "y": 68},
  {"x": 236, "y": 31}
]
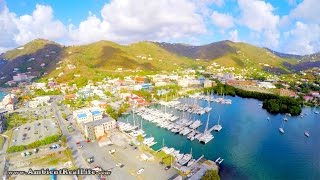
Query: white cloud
[
  {"x": 303, "y": 39},
  {"x": 234, "y": 36},
  {"x": 7, "y": 28},
  {"x": 129, "y": 21},
  {"x": 308, "y": 10},
  {"x": 16, "y": 30},
  {"x": 258, "y": 16},
  {"x": 224, "y": 21},
  {"x": 41, "y": 24}
]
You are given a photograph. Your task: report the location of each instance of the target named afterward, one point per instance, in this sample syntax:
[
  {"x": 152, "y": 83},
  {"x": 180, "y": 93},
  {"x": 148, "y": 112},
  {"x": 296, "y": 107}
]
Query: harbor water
[{"x": 250, "y": 144}]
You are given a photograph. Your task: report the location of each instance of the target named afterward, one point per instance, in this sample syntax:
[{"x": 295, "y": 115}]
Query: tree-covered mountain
[{"x": 43, "y": 58}]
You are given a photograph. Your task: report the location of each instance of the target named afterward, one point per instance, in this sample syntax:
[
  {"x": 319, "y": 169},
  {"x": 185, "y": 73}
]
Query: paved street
[{"x": 71, "y": 138}]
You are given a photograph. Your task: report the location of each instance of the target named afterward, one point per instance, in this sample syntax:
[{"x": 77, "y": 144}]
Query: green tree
[
  {"x": 140, "y": 138},
  {"x": 64, "y": 115},
  {"x": 211, "y": 175}
]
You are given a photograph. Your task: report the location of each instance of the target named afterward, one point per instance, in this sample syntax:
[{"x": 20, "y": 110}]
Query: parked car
[
  {"x": 118, "y": 164},
  {"x": 167, "y": 167},
  {"x": 55, "y": 146},
  {"x": 90, "y": 160},
  {"x": 140, "y": 171},
  {"x": 112, "y": 151}
]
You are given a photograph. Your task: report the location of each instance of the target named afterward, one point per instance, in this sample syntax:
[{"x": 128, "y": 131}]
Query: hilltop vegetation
[
  {"x": 79, "y": 64},
  {"x": 106, "y": 58},
  {"x": 271, "y": 102},
  {"x": 27, "y": 49}
]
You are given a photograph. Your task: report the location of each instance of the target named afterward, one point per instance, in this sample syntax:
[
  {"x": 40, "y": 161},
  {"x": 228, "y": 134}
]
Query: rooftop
[
  {"x": 96, "y": 112},
  {"x": 82, "y": 115},
  {"x": 99, "y": 122}
]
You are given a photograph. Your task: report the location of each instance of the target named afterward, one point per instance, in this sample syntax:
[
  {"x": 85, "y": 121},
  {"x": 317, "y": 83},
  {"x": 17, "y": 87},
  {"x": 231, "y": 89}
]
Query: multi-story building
[
  {"x": 87, "y": 115},
  {"x": 95, "y": 129},
  {"x": 2, "y": 118}
]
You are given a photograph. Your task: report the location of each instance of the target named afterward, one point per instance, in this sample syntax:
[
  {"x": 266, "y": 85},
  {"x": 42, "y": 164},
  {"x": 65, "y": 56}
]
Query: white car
[
  {"x": 118, "y": 164},
  {"x": 140, "y": 171}
]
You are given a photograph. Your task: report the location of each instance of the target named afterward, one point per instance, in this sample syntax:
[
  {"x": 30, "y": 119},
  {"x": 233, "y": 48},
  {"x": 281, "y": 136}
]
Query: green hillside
[
  {"x": 95, "y": 61},
  {"x": 27, "y": 49},
  {"x": 247, "y": 55},
  {"x": 78, "y": 64}
]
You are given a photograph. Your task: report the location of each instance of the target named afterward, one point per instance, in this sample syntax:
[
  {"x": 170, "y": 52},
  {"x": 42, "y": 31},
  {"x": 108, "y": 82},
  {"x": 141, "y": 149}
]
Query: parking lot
[
  {"x": 127, "y": 155},
  {"x": 34, "y": 131}
]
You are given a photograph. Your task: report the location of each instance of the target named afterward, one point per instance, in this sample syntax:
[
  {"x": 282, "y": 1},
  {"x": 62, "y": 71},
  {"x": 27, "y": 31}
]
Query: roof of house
[
  {"x": 82, "y": 115},
  {"x": 99, "y": 122},
  {"x": 96, "y": 112}
]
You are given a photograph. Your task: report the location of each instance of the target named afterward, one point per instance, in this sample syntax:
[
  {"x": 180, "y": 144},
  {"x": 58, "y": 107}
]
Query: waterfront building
[
  {"x": 9, "y": 102},
  {"x": 87, "y": 115},
  {"x": 207, "y": 83},
  {"x": 95, "y": 129},
  {"x": 267, "y": 85}
]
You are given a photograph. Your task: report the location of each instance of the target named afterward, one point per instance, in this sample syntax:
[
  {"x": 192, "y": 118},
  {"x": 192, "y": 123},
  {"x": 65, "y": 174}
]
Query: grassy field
[
  {"x": 2, "y": 139},
  {"x": 15, "y": 120},
  {"x": 54, "y": 159}
]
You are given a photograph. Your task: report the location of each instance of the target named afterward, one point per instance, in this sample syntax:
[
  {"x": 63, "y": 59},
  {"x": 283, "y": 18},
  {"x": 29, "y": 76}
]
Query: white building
[
  {"x": 207, "y": 83},
  {"x": 266, "y": 85},
  {"x": 39, "y": 101},
  {"x": 87, "y": 115},
  {"x": 39, "y": 85},
  {"x": 160, "y": 83},
  {"x": 183, "y": 82},
  {"x": 9, "y": 101},
  {"x": 20, "y": 77}
]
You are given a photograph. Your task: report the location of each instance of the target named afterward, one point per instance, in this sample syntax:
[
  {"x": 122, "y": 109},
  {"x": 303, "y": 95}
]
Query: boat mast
[
  {"x": 134, "y": 121},
  {"x": 162, "y": 142},
  {"x": 141, "y": 124},
  {"x": 205, "y": 131}
]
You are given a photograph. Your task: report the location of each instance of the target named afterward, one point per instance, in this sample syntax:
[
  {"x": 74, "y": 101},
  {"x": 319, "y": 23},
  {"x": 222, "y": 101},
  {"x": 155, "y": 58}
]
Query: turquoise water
[
  {"x": 252, "y": 146},
  {"x": 2, "y": 94}
]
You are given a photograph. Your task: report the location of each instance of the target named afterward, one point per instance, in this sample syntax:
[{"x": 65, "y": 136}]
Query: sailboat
[
  {"x": 217, "y": 127},
  {"x": 186, "y": 158},
  {"x": 191, "y": 161},
  {"x": 207, "y": 136},
  {"x": 281, "y": 128},
  {"x": 285, "y": 118}
]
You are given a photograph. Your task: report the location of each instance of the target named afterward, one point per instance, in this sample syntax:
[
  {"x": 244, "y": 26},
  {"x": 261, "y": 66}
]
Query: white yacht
[
  {"x": 281, "y": 128},
  {"x": 192, "y": 161},
  {"x": 306, "y": 133},
  {"x": 195, "y": 124},
  {"x": 217, "y": 127},
  {"x": 185, "y": 159},
  {"x": 206, "y": 137}
]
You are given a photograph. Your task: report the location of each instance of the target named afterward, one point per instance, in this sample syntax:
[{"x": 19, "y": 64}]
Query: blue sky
[{"x": 290, "y": 26}]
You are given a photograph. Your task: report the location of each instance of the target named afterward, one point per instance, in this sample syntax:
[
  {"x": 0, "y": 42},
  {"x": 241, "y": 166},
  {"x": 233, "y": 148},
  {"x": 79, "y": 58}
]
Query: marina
[{"x": 245, "y": 135}]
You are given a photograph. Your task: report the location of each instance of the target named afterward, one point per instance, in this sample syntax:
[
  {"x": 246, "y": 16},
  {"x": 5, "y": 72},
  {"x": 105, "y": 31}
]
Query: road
[
  {"x": 3, "y": 167},
  {"x": 71, "y": 139}
]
